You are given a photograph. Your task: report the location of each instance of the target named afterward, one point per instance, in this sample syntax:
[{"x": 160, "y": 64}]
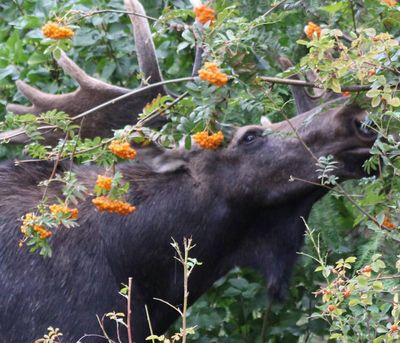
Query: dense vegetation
[{"x": 356, "y": 224}]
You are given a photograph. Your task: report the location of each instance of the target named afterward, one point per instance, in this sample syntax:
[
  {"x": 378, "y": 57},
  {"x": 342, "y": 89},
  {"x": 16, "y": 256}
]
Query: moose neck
[{"x": 274, "y": 239}]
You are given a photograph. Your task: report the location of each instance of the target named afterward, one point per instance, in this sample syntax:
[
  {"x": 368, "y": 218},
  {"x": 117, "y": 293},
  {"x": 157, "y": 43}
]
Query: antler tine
[
  {"x": 37, "y": 97},
  {"x": 78, "y": 74},
  {"x": 304, "y": 102},
  {"x": 20, "y": 109},
  {"x": 145, "y": 49}
]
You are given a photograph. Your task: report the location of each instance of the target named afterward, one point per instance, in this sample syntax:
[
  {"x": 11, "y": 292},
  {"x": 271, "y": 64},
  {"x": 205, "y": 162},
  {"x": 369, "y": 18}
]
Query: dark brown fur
[{"x": 236, "y": 203}]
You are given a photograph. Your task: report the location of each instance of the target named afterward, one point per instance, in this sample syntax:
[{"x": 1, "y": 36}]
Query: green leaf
[
  {"x": 336, "y": 7},
  {"x": 334, "y": 84},
  {"x": 354, "y": 302},
  {"x": 351, "y": 259},
  {"x": 372, "y": 93},
  {"x": 376, "y": 101},
  {"x": 395, "y": 102}
]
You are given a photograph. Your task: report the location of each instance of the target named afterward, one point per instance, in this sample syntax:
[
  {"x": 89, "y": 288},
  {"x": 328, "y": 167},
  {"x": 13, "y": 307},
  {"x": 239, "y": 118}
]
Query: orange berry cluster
[
  {"x": 56, "y": 31},
  {"x": 387, "y": 224},
  {"x": 207, "y": 141},
  {"x": 204, "y": 14},
  {"x": 104, "y": 203},
  {"x": 312, "y": 28},
  {"x": 122, "y": 149},
  {"x": 43, "y": 233},
  {"x": 57, "y": 208},
  {"x": 212, "y": 74},
  {"x": 346, "y": 93},
  {"x": 104, "y": 182},
  {"x": 390, "y": 3}
]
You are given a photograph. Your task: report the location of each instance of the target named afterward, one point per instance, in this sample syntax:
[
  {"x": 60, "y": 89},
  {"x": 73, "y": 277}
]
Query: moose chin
[{"x": 236, "y": 202}]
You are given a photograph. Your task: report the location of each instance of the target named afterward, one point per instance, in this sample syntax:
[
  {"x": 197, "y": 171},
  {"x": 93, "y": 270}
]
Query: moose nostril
[{"x": 364, "y": 129}]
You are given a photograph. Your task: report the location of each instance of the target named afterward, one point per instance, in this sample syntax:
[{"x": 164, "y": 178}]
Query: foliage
[{"x": 354, "y": 49}]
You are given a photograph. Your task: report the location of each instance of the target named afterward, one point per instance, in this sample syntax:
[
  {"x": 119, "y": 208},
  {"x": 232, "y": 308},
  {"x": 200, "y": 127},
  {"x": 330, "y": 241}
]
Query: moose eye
[{"x": 250, "y": 136}]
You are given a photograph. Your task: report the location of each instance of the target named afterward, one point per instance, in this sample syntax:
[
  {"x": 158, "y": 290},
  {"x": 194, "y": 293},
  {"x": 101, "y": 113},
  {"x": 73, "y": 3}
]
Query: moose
[{"x": 236, "y": 202}]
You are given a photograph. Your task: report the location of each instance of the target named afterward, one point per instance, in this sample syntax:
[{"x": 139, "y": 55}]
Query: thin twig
[
  {"x": 149, "y": 321},
  {"x": 283, "y": 81},
  {"x": 94, "y": 12},
  {"x": 170, "y": 305},
  {"x": 264, "y": 323},
  {"x": 19, "y": 7},
  {"x": 386, "y": 278},
  {"x": 293, "y": 128},
  {"x": 101, "y": 323},
  {"x": 76, "y": 145},
  {"x": 129, "y": 311},
  {"x": 273, "y": 7},
  {"x": 134, "y": 92},
  {"x": 159, "y": 110},
  {"x": 53, "y": 172},
  {"x": 353, "y": 14},
  {"x": 186, "y": 247},
  {"x": 90, "y": 335}
]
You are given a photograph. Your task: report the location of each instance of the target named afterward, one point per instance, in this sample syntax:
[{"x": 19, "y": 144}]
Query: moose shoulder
[{"x": 235, "y": 202}]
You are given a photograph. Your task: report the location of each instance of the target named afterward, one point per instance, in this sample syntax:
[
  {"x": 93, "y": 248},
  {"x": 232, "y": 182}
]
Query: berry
[
  {"x": 331, "y": 308},
  {"x": 104, "y": 182},
  {"x": 207, "y": 141},
  {"x": 55, "y": 209},
  {"x": 387, "y": 224},
  {"x": 312, "y": 28},
  {"x": 211, "y": 73},
  {"x": 43, "y": 233},
  {"x": 367, "y": 269},
  {"x": 105, "y": 204},
  {"x": 390, "y": 3},
  {"x": 122, "y": 149},
  {"x": 204, "y": 14},
  {"x": 56, "y": 31},
  {"x": 346, "y": 293}
]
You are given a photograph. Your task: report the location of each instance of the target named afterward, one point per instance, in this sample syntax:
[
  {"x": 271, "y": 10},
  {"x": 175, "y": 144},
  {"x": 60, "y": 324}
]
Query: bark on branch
[{"x": 282, "y": 81}]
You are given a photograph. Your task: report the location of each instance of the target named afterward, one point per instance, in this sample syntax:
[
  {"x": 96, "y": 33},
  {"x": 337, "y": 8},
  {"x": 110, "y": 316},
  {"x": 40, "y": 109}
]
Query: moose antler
[
  {"x": 92, "y": 92},
  {"x": 304, "y": 100}
]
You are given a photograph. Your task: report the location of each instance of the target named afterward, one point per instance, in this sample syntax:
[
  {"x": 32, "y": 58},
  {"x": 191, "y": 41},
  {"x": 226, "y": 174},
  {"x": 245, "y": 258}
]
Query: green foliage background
[{"x": 235, "y": 309}]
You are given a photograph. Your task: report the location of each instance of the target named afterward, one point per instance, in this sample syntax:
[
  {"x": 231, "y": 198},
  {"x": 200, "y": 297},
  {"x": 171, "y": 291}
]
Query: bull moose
[{"x": 236, "y": 202}]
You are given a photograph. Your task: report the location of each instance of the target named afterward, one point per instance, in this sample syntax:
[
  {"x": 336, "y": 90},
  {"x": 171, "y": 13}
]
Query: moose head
[{"x": 236, "y": 202}]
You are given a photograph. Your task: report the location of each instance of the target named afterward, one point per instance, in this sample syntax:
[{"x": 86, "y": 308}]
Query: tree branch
[{"x": 282, "y": 81}]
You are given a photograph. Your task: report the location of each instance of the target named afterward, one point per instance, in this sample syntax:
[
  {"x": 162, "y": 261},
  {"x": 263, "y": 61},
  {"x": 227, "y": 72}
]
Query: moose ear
[
  {"x": 265, "y": 122},
  {"x": 162, "y": 160}
]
